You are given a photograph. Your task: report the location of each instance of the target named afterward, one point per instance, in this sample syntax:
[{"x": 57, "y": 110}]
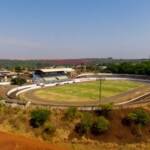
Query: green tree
[
  {"x": 18, "y": 81},
  {"x": 70, "y": 113},
  {"x": 85, "y": 125},
  {"x": 18, "y": 69},
  {"x": 100, "y": 125},
  {"x": 106, "y": 108},
  {"x": 139, "y": 116},
  {"x": 39, "y": 117}
]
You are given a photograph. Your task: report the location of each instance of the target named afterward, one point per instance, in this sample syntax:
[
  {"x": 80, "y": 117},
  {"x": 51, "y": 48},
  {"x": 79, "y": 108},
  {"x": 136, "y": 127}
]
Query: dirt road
[{"x": 14, "y": 142}]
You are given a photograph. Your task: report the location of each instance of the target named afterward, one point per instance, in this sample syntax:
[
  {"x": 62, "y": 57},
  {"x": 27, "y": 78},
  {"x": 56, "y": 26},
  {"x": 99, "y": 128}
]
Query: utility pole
[{"x": 100, "y": 90}]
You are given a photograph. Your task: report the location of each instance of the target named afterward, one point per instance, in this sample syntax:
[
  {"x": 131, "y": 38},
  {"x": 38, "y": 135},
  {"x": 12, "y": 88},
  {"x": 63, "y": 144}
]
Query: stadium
[{"x": 57, "y": 87}]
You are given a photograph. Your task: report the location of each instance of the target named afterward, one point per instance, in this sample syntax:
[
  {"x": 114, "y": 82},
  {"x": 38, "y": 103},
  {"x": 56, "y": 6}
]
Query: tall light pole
[{"x": 100, "y": 90}]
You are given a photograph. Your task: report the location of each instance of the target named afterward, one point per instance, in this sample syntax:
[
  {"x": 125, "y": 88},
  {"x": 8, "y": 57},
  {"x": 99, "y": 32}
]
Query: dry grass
[
  {"x": 118, "y": 137},
  {"x": 107, "y": 146}
]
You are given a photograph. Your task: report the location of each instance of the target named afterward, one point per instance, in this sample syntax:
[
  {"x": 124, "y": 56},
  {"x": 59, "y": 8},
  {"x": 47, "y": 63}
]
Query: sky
[{"x": 60, "y": 29}]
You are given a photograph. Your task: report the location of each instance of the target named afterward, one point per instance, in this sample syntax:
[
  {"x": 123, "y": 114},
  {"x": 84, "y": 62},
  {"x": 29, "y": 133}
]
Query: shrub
[
  {"x": 105, "y": 109},
  {"x": 139, "y": 116},
  {"x": 126, "y": 121},
  {"x": 71, "y": 113},
  {"x": 38, "y": 117},
  {"x": 100, "y": 125},
  {"x": 85, "y": 125},
  {"x": 18, "y": 81},
  {"x": 49, "y": 129}
]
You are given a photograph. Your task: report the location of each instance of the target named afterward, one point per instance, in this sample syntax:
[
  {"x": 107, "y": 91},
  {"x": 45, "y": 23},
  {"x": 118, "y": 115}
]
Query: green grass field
[{"x": 87, "y": 91}]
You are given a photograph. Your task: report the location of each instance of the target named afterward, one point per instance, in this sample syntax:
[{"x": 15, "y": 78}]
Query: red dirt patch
[{"x": 15, "y": 142}]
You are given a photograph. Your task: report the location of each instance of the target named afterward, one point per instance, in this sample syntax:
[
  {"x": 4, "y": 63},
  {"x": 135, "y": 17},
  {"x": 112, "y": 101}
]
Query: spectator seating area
[{"x": 51, "y": 75}]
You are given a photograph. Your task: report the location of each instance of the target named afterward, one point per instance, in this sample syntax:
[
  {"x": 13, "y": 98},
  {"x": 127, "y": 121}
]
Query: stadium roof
[{"x": 56, "y": 70}]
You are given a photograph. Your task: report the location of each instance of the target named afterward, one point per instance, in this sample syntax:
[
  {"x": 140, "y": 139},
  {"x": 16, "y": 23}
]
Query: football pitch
[{"x": 87, "y": 91}]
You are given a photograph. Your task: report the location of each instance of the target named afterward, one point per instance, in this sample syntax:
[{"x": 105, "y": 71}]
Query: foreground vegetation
[{"x": 73, "y": 126}]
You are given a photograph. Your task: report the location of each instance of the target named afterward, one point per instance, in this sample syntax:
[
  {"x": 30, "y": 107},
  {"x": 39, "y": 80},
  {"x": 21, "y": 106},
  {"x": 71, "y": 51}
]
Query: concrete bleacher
[
  {"x": 63, "y": 77},
  {"x": 47, "y": 76},
  {"x": 55, "y": 79}
]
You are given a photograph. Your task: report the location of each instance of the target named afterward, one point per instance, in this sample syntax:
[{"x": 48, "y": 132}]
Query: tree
[
  {"x": 18, "y": 81},
  {"x": 105, "y": 109},
  {"x": 18, "y": 69},
  {"x": 39, "y": 117},
  {"x": 139, "y": 116},
  {"x": 137, "y": 119},
  {"x": 70, "y": 113},
  {"x": 85, "y": 125},
  {"x": 100, "y": 125}
]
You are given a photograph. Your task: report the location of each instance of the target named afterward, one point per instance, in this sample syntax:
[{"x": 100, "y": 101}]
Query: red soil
[{"x": 15, "y": 142}]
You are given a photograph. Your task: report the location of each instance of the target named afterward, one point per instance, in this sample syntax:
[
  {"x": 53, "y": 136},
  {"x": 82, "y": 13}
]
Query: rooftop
[{"x": 56, "y": 70}]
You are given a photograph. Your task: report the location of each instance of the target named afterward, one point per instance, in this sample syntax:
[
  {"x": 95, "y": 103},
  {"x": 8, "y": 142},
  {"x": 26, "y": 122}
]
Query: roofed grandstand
[{"x": 51, "y": 75}]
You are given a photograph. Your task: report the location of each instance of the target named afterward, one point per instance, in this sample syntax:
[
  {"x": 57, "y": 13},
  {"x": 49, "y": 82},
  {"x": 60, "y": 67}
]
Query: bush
[
  {"x": 105, "y": 109},
  {"x": 85, "y": 125},
  {"x": 49, "y": 129},
  {"x": 139, "y": 116},
  {"x": 71, "y": 113},
  {"x": 137, "y": 119},
  {"x": 100, "y": 125},
  {"x": 18, "y": 81},
  {"x": 39, "y": 117},
  {"x": 126, "y": 121}
]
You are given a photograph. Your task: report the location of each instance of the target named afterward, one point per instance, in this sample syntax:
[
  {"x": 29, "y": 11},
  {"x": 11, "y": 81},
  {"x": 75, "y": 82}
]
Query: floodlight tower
[{"x": 100, "y": 90}]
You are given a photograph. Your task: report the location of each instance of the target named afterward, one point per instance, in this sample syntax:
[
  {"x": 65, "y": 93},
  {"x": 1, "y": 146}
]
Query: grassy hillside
[{"x": 118, "y": 135}]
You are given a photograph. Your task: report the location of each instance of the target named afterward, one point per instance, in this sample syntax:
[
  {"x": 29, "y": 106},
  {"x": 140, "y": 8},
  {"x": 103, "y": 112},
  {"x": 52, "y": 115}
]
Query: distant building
[
  {"x": 6, "y": 75},
  {"x": 51, "y": 75}
]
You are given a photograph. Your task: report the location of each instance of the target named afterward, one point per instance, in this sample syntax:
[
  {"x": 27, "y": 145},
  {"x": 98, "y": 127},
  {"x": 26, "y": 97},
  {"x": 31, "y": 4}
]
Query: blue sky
[{"x": 50, "y": 29}]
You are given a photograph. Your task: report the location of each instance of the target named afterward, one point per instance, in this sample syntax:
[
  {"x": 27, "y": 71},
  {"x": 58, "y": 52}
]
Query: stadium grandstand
[{"x": 52, "y": 75}]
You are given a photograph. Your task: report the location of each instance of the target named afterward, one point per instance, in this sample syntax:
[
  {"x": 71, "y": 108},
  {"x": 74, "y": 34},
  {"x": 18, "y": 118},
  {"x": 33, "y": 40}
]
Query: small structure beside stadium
[
  {"x": 6, "y": 75},
  {"x": 52, "y": 75}
]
